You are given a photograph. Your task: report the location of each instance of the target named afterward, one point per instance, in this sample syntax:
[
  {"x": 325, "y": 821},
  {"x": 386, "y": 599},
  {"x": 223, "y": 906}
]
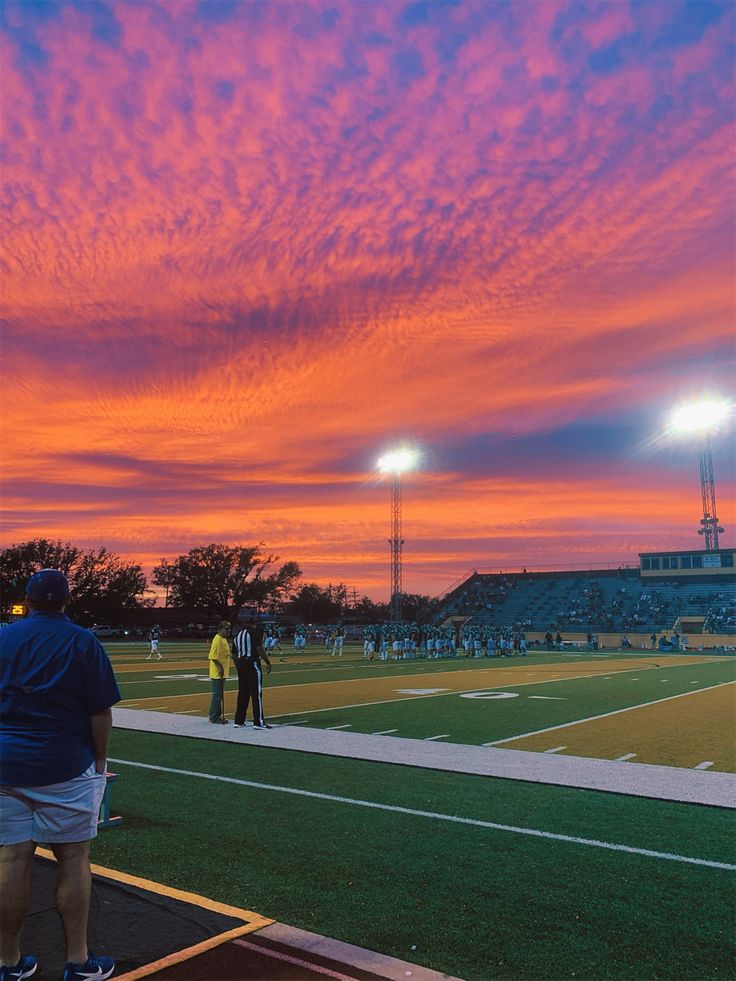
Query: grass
[{"x": 474, "y": 902}]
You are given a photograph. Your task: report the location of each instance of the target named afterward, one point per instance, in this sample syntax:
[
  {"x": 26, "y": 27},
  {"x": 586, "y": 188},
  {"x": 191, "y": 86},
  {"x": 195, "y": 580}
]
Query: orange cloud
[{"x": 246, "y": 250}]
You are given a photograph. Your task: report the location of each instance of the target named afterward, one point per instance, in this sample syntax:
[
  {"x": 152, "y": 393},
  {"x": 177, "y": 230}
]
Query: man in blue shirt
[{"x": 56, "y": 691}]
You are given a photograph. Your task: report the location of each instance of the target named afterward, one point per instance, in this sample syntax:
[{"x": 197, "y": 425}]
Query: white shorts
[
  {"x": 154, "y": 646},
  {"x": 58, "y": 813}
]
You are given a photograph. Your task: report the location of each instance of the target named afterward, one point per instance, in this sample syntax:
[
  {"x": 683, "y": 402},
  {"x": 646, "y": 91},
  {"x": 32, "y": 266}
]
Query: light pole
[
  {"x": 394, "y": 464},
  {"x": 702, "y": 419}
]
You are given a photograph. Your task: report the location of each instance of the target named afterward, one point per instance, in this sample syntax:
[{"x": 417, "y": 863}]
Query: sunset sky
[{"x": 249, "y": 247}]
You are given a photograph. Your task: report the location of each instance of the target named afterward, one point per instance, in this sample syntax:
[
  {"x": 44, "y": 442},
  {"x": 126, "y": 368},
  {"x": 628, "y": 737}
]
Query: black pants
[{"x": 250, "y": 686}]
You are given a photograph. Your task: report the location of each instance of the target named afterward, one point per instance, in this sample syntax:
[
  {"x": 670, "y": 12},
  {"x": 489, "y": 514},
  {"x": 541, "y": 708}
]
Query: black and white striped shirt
[{"x": 245, "y": 646}]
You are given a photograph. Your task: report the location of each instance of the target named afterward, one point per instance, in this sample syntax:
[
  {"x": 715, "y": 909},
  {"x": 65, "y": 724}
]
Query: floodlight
[
  {"x": 700, "y": 417},
  {"x": 398, "y": 461}
]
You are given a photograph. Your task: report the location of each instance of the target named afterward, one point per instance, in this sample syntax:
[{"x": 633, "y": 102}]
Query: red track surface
[{"x": 258, "y": 959}]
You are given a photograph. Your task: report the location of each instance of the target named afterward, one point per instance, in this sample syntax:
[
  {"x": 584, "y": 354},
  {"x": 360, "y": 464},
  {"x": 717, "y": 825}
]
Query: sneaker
[
  {"x": 264, "y": 726},
  {"x": 25, "y": 967},
  {"x": 219, "y": 722},
  {"x": 239, "y": 725},
  {"x": 95, "y": 969}
]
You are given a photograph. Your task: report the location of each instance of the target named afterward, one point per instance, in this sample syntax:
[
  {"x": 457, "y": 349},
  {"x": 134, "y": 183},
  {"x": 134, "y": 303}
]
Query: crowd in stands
[
  {"x": 720, "y": 614},
  {"x": 651, "y": 607},
  {"x": 483, "y": 594},
  {"x": 614, "y": 602},
  {"x": 587, "y": 607}
]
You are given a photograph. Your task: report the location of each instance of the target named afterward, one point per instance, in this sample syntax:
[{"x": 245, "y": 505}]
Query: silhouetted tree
[
  {"x": 102, "y": 586},
  {"x": 313, "y": 604},
  {"x": 366, "y": 611},
  {"x": 318, "y": 604},
  {"x": 418, "y": 608},
  {"x": 222, "y": 579}
]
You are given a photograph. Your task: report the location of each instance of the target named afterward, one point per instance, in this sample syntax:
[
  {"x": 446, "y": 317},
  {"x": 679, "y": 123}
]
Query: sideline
[
  {"x": 637, "y": 779},
  {"x": 434, "y": 815}
]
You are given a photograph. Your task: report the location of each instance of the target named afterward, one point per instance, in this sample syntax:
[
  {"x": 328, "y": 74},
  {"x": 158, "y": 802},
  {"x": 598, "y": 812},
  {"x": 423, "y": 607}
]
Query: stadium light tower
[
  {"x": 702, "y": 419},
  {"x": 394, "y": 464}
]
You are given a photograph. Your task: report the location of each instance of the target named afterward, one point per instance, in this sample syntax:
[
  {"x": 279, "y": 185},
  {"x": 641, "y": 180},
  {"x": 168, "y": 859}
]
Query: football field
[
  {"x": 474, "y": 875},
  {"x": 675, "y": 710}
]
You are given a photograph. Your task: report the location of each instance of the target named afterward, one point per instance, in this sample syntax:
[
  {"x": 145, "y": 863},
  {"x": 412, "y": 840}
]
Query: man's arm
[
  {"x": 100, "y": 725},
  {"x": 264, "y": 657}
]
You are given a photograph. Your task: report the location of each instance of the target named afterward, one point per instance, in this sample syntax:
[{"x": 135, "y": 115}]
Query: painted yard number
[
  {"x": 490, "y": 694},
  {"x": 419, "y": 691}
]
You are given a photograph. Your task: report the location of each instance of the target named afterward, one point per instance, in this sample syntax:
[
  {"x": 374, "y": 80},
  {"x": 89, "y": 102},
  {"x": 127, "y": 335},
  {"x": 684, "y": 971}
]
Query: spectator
[
  {"x": 219, "y": 658},
  {"x": 57, "y": 688}
]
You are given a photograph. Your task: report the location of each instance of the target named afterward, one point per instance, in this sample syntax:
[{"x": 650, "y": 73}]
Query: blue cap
[{"x": 48, "y": 588}]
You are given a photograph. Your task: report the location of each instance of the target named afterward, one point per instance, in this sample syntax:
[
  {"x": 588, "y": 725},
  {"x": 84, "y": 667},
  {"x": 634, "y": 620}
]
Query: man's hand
[{"x": 100, "y": 725}]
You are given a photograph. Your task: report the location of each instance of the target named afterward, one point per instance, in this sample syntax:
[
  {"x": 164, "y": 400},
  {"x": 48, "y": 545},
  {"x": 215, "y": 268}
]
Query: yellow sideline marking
[
  {"x": 679, "y": 731},
  {"x": 287, "y": 700},
  {"x": 254, "y": 920}
]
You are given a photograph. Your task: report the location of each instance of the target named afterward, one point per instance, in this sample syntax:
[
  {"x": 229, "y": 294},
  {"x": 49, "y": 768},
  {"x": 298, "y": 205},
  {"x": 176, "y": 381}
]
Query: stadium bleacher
[{"x": 603, "y": 600}]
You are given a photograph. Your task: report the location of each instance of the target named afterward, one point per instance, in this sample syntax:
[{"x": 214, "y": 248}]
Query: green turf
[
  {"x": 477, "y": 720},
  {"x": 474, "y": 902}
]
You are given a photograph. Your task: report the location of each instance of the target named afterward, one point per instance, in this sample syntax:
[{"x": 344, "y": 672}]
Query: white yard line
[
  {"x": 704, "y": 765},
  {"x": 626, "y": 756},
  {"x": 384, "y": 732},
  {"x": 428, "y": 739},
  {"x": 557, "y": 749},
  {"x": 433, "y": 815},
  {"x": 345, "y": 725},
  {"x": 606, "y": 715},
  {"x": 149, "y": 681},
  {"x": 388, "y": 701}
]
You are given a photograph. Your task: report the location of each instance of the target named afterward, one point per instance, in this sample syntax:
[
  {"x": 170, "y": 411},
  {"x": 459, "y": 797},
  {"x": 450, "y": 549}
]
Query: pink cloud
[{"x": 277, "y": 239}]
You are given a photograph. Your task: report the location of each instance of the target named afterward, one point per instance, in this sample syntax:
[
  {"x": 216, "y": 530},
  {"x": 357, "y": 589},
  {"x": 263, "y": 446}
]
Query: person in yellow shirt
[{"x": 219, "y": 669}]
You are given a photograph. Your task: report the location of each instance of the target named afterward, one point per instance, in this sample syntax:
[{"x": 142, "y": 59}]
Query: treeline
[{"x": 212, "y": 581}]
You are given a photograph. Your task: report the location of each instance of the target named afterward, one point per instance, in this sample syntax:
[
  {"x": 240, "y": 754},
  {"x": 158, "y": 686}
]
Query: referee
[{"x": 247, "y": 654}]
